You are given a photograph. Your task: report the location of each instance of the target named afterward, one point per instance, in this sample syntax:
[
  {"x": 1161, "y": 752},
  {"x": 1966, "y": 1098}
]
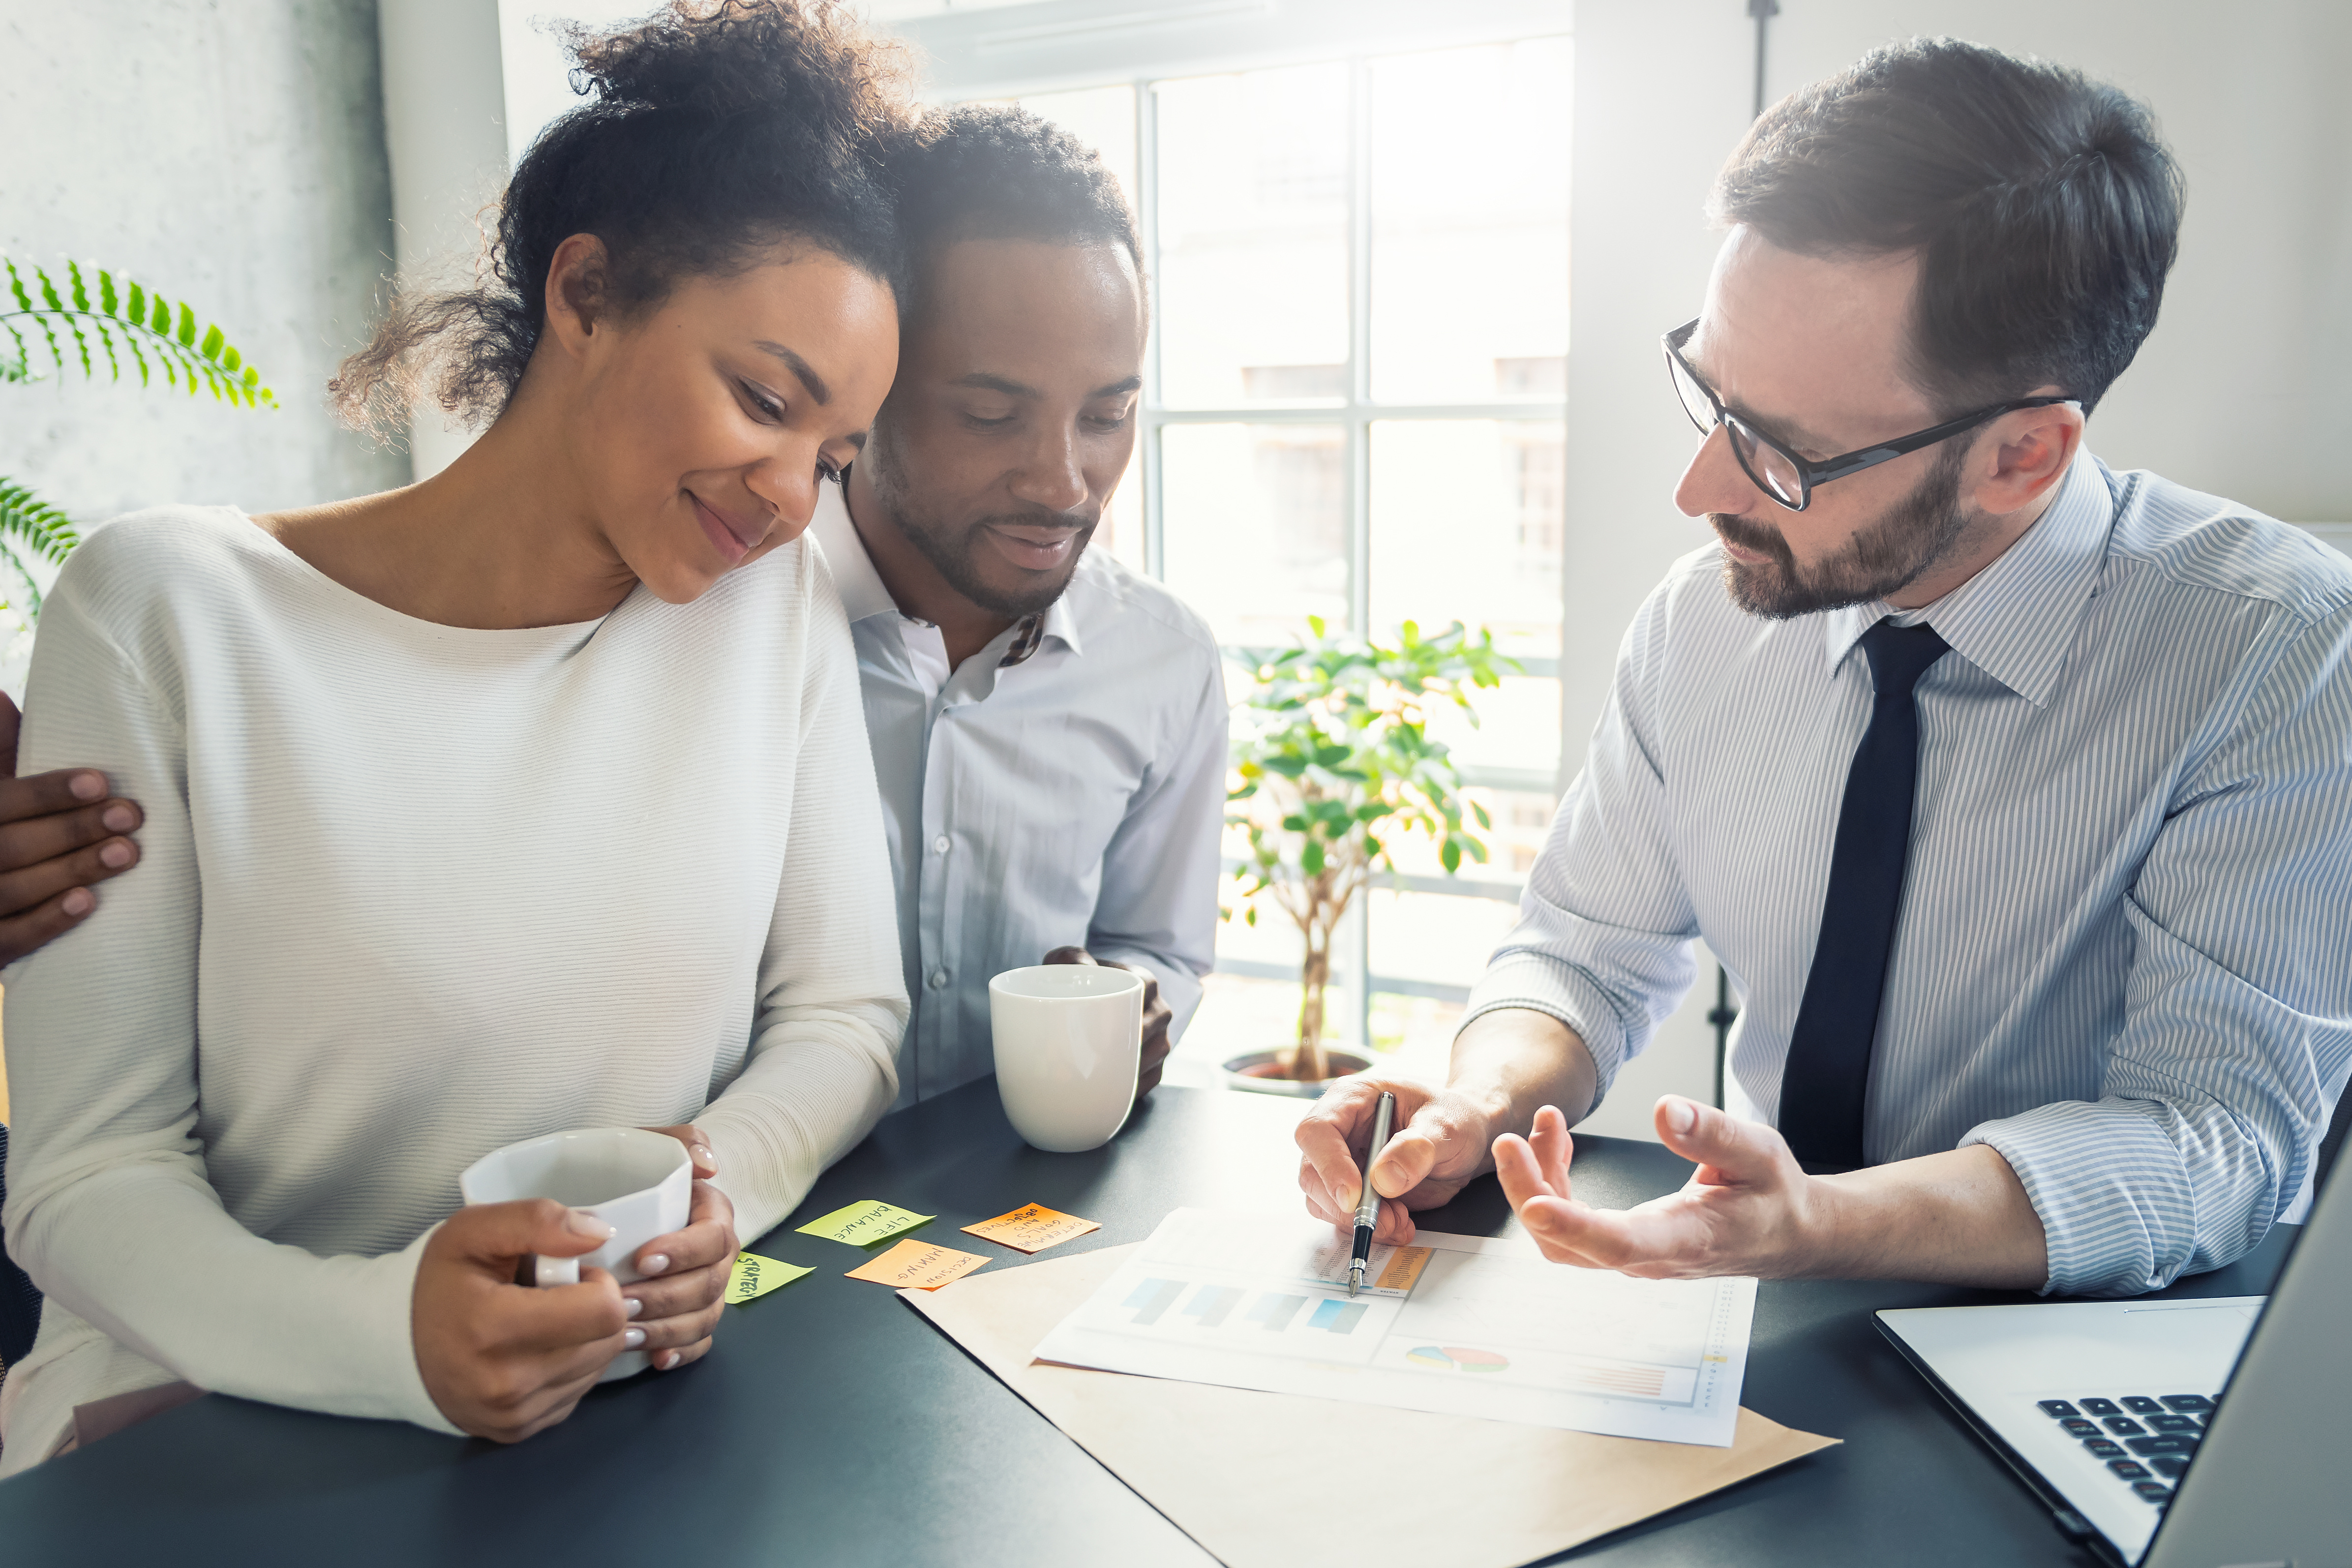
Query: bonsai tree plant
[
  {"x": 1335, "y": 763},
  {"x": 88, "y": 319}
]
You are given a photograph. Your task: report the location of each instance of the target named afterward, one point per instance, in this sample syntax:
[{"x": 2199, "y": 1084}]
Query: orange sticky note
[
  {"x": 1404, "y": 1269},
  {"x": 1032, "y": 1227},
  {"x": 919, "y": 1266}
]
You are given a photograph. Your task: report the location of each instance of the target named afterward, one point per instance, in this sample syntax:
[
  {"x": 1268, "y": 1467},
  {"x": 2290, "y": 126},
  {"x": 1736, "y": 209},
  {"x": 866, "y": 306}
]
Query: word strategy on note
[
  {"x": 754, "y": 1275},
  {"x": 919, "y": 1266},
  {"x": 1032, "y": 1227}
]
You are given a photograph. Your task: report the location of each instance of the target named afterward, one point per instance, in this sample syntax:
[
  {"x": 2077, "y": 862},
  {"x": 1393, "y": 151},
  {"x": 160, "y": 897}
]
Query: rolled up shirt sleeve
[
  {"x": 1603, "y": 942},
  {"x": 2236, "y": 1038}
]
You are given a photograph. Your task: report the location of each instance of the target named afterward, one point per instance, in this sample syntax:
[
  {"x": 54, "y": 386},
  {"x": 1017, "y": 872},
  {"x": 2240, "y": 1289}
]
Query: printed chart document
[{"x": 1454, "y": 1324}]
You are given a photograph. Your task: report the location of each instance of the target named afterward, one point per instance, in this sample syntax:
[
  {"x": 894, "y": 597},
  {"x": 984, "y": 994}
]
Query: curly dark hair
[
  {"x": 2045, "y": 210},
  {"x": 712, "y": 131},
  {"x": 994, "y": 172}
]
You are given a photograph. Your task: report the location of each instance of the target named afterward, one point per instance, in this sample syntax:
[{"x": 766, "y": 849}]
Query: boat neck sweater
[{"x": 407, "y": 893}]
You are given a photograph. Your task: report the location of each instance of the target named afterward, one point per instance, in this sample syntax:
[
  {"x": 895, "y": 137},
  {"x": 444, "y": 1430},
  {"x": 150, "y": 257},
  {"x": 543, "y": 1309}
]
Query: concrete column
[{"x": 444, "y": 129}]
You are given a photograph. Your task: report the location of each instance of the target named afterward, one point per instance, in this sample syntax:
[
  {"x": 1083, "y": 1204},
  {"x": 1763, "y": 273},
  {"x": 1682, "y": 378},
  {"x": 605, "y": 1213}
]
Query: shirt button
[
  {"x": 939, "y": 979},
  {"x": 941, "y": 843}
]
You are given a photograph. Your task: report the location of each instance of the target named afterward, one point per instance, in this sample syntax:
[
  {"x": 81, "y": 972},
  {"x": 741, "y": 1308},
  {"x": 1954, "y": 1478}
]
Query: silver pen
[{"x": 1367, "y": 1202}]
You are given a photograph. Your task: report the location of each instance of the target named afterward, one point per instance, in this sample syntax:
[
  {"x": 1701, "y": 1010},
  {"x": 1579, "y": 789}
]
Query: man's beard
[
  {"x": 1915, "y": 534},
  {"x": 950, "y": 550}
]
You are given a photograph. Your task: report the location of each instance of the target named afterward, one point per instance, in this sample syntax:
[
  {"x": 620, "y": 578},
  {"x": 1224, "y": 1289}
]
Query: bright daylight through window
[{"x": 1356, "y": 412}]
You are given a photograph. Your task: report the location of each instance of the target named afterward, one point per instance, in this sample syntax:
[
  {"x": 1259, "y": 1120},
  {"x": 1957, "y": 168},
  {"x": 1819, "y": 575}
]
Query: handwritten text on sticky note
[
  {"x": 754, "y": 1277},
  {"x": 919, "y": 1266},
  {"x": 1405, "y": 1268},
  {"x": 1032, "y": 1227},
  {"x": 862, "y": 1223}
]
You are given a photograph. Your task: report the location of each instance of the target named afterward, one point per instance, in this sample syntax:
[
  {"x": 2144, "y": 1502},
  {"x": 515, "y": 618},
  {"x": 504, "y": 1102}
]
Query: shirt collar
[
  {"x": 861, "y": 588},
  {"x": 2015, "y": 619}
]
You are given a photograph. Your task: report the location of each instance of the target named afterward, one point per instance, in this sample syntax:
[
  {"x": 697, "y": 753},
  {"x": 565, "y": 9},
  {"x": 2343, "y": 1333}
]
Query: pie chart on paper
[{"x": 1454, "y": 1358}]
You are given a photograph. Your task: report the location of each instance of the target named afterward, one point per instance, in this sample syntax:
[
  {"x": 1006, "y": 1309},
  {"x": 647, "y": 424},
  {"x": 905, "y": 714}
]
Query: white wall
[
  {"x": 2239, "y": 391},
  {"x": 230, "y": 155}
]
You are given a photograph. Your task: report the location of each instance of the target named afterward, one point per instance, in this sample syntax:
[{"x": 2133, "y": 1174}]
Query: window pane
[
  {"x": 1253, "y": 181},
  {"x": 1469, "y": 173},
  {"x": 1256, "y": 526},
  {"x": 1517, "y": 730},
  {"x": 1467, "y": 516}
]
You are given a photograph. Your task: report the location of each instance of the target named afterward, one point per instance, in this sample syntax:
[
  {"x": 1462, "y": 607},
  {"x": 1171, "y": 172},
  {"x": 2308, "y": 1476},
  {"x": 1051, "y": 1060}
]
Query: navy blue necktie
[{"x": 1822, "y": 1088}]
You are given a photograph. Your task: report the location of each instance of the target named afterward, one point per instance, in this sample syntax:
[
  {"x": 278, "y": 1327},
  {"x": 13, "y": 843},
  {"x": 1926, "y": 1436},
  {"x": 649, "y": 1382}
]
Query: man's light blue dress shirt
[
  {"x": 1073, "y": 799},
  {"x": 2124, "y": 954}
]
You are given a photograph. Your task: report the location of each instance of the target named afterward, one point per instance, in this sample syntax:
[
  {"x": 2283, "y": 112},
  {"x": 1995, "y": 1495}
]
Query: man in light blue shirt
[
  {"x": 1049, "y": 729},
  {"x": 2013, "y": 793}
]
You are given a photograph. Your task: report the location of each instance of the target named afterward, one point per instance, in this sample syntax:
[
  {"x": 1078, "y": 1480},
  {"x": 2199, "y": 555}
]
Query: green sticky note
[
  {"x": 755, "y": 1276},
  {"x": 861, "y": 1224}
]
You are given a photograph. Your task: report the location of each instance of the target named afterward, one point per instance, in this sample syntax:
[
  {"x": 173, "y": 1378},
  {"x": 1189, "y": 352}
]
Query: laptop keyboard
[{"x": 2145, "y": 1442}]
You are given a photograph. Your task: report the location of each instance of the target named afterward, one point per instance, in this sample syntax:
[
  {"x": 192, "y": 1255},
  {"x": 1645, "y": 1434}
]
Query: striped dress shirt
[{"x": 2124, "y": 958}]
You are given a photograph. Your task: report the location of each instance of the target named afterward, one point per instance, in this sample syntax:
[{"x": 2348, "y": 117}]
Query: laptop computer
[{"x": 2178, "y": 1434}]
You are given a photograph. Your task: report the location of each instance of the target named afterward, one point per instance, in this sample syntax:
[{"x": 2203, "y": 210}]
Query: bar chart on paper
[{"x": 1461, "y": 1325}]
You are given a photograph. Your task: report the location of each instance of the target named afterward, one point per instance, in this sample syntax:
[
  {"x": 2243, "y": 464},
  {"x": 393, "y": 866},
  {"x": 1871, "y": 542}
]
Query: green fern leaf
[
  {"x": 135, "y": 310},
  {"x": 214, "y": 340},
  {"x": 106, "y": 295},
  {"x": 48, "y": 291},
  {"x": 188, "y": 333},
  {"x": 17, "y": 286},
  {"x": 158, "y": 333},
  {"x": 80, "y": 290},
  {"x": 160, "y": 322}
]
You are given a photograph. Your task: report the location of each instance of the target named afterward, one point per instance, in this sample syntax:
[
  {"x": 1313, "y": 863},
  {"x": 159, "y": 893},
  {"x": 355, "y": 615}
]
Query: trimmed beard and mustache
[
  {"x": 950, "y": 550},
  {"x": 1909, "y": 539}
]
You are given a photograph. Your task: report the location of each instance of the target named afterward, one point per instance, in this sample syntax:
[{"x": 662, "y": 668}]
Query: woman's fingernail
[
  {"x": 77, "y": 902},
  {"x": 87, "y": 786},
  {"x": 114, "y": 856},
  {"x": 632, "y": 1338},
  {"x": 117, "y": 819},
  {"x": 634, "y": 1306},
  {"x": 654, "y": 1263},
  {"x": 670, "y": 1361},
  {"x": 704, "y": 1157},
  {"x": 584, "y": 1224},
  {"x": 1681, "y": 1116}
]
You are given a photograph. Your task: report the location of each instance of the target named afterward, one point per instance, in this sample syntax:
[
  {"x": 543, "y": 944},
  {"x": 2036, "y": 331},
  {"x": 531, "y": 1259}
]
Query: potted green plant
[
  {"x": 87, "y": 320},
  {"x": 1334, "y": 763}
]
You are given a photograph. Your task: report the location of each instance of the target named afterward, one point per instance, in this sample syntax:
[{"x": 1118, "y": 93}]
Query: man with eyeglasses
[{"x": 2014, "y": 793}]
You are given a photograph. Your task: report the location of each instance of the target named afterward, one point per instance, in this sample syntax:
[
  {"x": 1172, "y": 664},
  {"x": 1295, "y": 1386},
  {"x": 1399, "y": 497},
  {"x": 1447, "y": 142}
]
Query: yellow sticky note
[
  {"x": 754, "y": 1277},
  {"x": 861, "y": 1222},
  {"x": 1032, "y": 1227},
  {"x": 919, "y": 1266}
]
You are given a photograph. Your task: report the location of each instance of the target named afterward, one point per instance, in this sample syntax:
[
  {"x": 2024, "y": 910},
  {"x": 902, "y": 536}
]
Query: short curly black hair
[
  {"x": 713, "y": 130},
  {"x": 982, "y": 171}
]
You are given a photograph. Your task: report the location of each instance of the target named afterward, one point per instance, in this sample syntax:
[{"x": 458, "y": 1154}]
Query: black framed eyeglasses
[{"x": 1781, "y": 473}]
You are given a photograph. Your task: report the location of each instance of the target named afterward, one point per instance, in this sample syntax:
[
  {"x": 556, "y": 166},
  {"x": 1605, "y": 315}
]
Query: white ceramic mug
[
  {"x": 639, "y": 1182},
  {"x": 1069, "y": 1044}
]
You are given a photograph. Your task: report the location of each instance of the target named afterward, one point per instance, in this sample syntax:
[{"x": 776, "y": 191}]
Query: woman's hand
[
  {"x": 503, "y": 1361},
  {"x": 678, "y": 1301}
]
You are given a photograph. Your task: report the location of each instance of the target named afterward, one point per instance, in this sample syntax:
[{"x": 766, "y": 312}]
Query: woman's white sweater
[{"x": 409, "y": 892}]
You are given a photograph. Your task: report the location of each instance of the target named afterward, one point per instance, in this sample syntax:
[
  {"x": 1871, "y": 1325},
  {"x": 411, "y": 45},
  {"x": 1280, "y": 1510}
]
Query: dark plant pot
[{"x": 1255, "y": 1072}]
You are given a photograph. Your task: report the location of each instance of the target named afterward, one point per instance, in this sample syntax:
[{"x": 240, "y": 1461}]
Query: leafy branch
[
  {"x": 1337, "y": 765},
  {"x": 26, "y": 519},
  {"x": 61, "y": 320}
]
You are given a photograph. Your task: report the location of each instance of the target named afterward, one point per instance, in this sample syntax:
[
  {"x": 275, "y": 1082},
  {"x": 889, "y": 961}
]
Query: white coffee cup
[
  {"x": 1069, "y": 1044},
  {"x": 639, "y": 1182}
]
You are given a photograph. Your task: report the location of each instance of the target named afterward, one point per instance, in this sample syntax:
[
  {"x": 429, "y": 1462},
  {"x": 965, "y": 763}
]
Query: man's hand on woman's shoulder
[{"x": 60, "y": 835}]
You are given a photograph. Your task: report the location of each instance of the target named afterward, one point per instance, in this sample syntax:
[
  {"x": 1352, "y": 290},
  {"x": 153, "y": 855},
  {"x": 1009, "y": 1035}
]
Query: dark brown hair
[
  {"x": 2043, "y": 208},
  {"x": 712, "y": 132}
]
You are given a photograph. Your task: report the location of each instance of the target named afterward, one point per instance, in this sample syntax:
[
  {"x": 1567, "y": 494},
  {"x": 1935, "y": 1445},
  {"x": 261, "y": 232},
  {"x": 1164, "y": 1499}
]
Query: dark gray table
[{"x": 833, "y": 1424}]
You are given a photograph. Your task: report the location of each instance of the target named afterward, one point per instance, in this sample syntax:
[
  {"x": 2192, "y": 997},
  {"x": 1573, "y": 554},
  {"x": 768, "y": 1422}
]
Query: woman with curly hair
[{"x": 532, "y": 796}]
